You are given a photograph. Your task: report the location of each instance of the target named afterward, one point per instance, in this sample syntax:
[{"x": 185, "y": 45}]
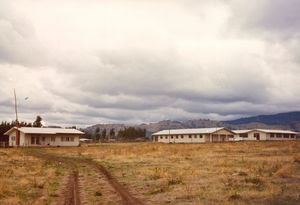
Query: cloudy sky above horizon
[{"x": 133, "y": 61}]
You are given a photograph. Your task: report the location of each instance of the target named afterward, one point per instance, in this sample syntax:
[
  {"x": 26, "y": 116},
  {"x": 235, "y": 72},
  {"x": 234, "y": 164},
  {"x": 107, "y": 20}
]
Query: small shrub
[
  {"x": 241, "y": 173},
  {"x": 254, "y": 180},
  {"x": 156, "y": 191},
  {"x": 54, "y": 195},
  {"x": 98, "y": 193},
  {"x": 235, "y": 196},
  {"x": 154, "y": 177},
  {"x": 174, "y": 181}
]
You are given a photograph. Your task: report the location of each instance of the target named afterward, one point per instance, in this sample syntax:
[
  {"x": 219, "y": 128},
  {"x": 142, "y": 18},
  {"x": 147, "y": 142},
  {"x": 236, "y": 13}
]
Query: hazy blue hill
[
  {"x": 286, "y": 121},
  {"x": 288, "y": 118}
]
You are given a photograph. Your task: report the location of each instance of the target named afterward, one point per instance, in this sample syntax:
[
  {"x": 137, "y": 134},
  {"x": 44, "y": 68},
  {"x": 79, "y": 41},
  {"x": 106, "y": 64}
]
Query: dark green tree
[
  {"x": 131, "y": 133},
  {"x": 97, "y": 134},
  {"x": 38, "y": 122},
  {"x": 103, "y": 134},
  {"x": 112, "y": 133}
]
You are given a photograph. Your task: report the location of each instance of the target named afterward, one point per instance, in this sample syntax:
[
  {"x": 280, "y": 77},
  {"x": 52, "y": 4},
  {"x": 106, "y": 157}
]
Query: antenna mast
[{"x": 16, "y": 108}]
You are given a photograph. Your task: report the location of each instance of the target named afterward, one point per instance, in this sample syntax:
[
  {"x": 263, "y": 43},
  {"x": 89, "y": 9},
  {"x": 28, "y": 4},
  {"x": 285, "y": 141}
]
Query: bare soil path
[
  {"x": 127, "y": 197},
  {"x": 72, "y": 191}
]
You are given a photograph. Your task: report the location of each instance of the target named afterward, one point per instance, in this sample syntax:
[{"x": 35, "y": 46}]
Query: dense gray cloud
[{"x": 139, "y": 61}]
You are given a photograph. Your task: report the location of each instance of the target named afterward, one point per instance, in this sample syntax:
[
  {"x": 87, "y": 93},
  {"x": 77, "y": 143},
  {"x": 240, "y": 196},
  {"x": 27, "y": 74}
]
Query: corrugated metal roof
[
  {"x": 265, "y": 130},
  {"x": 189, "y": 131},
  {"x": 277, "y": 131},
  {"x": 44, "y": 130},
  {"x": 240, "y": 131}
]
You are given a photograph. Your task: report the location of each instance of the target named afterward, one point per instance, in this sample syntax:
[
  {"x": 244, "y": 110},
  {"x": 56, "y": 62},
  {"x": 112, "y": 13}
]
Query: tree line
[
  {"x": 5, "y": 126},
  {"x": 127, "y": 134}
]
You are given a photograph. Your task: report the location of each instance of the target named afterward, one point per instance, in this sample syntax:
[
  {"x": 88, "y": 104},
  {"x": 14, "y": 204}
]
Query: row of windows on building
[
  {"x": 180, "y": 136},
  {"x": 272, "y": 135},
  {"x": 279, "y": 135},
  {"x": 36, "y": 140}
]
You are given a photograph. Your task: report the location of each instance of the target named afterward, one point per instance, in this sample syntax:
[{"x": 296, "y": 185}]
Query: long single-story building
[
  {"x": 218, "y": 134},
  {"x": 33, "y": 136},
  {"x": 265, "y": 134}
]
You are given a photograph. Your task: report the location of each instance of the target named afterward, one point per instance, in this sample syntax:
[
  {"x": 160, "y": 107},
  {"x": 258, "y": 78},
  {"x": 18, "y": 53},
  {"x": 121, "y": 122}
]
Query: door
[
  {"x": 215, "y": 138},
  {"x": 256, "y": 135},
  {"x": 207, "y": 138},
  {"x": 18, "y": 138}
]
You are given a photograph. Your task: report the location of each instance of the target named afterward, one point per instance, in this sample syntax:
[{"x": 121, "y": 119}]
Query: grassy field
[
  {"x": 27, "y": 180},
  {"x": 221, "y": 173}
]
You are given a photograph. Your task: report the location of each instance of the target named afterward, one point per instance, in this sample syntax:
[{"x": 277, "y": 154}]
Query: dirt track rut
[
  {"x": 127, "y": 198},
  {"x": 72, "y": 191}
]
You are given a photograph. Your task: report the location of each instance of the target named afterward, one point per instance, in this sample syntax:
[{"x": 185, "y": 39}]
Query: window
[
  {"x": 13, "y": 138},
  {"x": 230, "y": 136},
  {"x": 37, "y": 140},
  {"x": 278, "y": 135},
  {"x": 201, "y": 136},
  {"x": 195, "y": 136},
  {"x": 292, "y": 136},
  {"x": 32, "y": 140},
  {"x": 176, "y": 136},
  {"x": 244, "y": 135},
  {"x": 161, "y": 137},
  {"x": 181, "y": 136},
  {"x": 272, "y": 135},
  {"x": 286, "y": 135},
  {"x": 190, "y": 136},
  {"x": 172, "y": 137},
  {"x": 67, "y": 139},
  {"x": 166, "y": 137},
  {"x": 72, "y": 139},
  {"x": 62, "y": 139},
  {"x": 43, "y": 139},
  {"x": 52, "y": 139}
]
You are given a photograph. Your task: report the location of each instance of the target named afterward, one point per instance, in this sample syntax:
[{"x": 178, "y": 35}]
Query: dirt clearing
[{"x": 73, "y": 194}]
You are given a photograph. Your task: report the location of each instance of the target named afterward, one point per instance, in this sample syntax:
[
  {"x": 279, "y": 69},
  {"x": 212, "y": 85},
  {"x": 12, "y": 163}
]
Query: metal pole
[
  {"x": 169, "y": 131},
  {"x": 16, "y": 108}
]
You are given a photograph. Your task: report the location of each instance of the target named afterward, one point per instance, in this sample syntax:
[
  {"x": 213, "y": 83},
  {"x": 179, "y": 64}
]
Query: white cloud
[{"x": 140, "y": 61}]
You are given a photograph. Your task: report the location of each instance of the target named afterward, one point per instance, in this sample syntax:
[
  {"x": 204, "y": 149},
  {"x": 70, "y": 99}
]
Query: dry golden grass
[
  {"x": 25, "y": 179},
  {"x": 223, "y": 173}
]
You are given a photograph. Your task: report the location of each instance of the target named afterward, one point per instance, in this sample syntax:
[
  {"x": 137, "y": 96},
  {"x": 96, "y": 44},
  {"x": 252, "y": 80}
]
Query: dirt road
[{"x": 71, "y": 190}]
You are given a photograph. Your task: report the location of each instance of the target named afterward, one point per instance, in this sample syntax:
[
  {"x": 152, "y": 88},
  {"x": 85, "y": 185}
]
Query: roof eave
[{"x": 10, "y": 131}]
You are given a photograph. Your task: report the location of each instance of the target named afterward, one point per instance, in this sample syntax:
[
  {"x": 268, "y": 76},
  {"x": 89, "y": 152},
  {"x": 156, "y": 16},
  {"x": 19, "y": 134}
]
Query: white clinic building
[
  {"x": 199, "y": 135},
  {"x": 33, "y": 136},
  {"x": 264, "y": 134}
]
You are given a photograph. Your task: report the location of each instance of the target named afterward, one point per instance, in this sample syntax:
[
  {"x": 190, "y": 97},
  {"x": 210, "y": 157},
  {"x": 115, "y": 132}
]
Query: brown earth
[
  {"x": 127, "y": 198},
  {"x": 71, "y": 193}
]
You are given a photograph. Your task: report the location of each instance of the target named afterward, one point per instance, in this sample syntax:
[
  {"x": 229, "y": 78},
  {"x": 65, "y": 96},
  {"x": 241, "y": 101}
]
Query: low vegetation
[
  {"x": 221, "y": 173},
  {"x": 27, "y": 180},
  {"x": 246, "y": 172}
]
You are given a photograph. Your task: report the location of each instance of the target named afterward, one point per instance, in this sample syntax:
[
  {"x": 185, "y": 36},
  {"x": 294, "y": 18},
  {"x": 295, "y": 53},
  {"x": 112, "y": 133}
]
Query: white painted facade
[
  {"x": 35, "y": 137},
  {"x": 265, "y": 134},
  {"x": 193, "y": 135}
]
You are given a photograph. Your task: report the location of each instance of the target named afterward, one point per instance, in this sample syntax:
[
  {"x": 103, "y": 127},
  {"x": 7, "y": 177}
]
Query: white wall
[
  {"x": 57, "y": 140},
  {"x": 25, "y": 140},
  {"x": 12, "y": 139},
  {"x": 275, "y": 138},
  {"x": 195, "y": 138},
  {"x": 263, "y": 136}
]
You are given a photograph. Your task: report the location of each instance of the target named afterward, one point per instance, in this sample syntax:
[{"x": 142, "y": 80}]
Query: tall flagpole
[{"x": 16, "y": 108}]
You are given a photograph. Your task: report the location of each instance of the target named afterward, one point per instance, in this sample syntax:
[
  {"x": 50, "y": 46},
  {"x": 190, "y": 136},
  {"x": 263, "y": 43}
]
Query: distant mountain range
[{"x": 289, "y": 120}]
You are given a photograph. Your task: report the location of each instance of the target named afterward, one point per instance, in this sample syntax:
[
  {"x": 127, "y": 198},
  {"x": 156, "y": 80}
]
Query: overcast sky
[{"x": 132, "y": 61}]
